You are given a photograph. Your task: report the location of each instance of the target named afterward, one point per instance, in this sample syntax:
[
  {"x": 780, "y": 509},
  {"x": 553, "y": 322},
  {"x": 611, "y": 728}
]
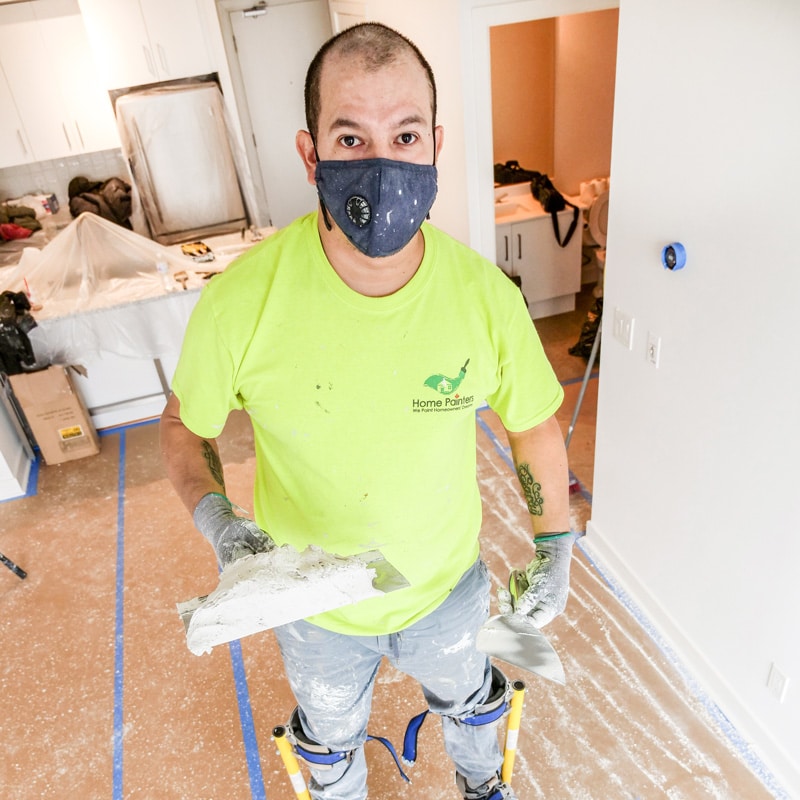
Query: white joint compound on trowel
[{"x": 269, "y": 589}]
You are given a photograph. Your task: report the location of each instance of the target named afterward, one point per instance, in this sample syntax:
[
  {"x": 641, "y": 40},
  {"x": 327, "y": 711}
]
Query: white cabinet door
[
  {"x": 135, "y": 42},
  {"x": 89, "y": 113},
  {"x": 176, "y": 38},
  {"x": 549, "y": 275},
  {"x": 547, "y": 269},
  {"x": 30, "y": 74},
  {"x": 14, "y": 145}
]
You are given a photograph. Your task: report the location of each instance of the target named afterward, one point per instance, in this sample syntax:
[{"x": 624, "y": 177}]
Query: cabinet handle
[
  {"x": 66, "y": 134},
  {"x": 519, "y": 245},
  {"x": 506, "y": 240},
  {"x": 148, "y": 57},
  {"x": 162, "y": 57},
  {"x": 80, "y": 135},
  {"x": 22, "y": 142}
]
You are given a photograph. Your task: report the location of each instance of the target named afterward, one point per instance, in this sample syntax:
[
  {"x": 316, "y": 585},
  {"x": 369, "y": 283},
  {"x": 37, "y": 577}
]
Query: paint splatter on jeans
[{"x": 333, "y": 676}]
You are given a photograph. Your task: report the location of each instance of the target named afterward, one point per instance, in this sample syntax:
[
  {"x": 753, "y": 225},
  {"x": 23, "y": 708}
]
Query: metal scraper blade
[{"x": 516, "y": 641}]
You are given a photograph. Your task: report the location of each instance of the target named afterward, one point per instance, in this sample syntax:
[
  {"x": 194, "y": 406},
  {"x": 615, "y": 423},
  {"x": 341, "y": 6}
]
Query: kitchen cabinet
[
  {"x": 137, "y": 42},
  {"x": 89, "y": 113},
  {"x": 14, "y": 145},
  {"x": 55, "y": 107},
  {"x": 549, "y": 274}
]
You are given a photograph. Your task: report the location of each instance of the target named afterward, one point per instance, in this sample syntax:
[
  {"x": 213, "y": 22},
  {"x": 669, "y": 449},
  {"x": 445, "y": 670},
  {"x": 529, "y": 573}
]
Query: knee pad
[
  {"x": 319, "y": 756},
  {"x": 495, "y": 705},
  {"x": 306, "y": 749}
]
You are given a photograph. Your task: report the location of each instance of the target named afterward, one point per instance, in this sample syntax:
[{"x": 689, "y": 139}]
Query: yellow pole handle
[
  {"x": 291, "y": 763},
  {"x": 512, "y": 731}
]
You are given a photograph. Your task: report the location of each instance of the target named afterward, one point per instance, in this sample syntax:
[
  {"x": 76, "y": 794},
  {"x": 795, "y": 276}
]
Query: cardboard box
[{"x": 56, "y": 414}]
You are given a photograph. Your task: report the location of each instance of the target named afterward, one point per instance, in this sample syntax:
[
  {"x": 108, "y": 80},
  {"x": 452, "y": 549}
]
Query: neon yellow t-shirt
[{"x": 363, "y": 408}]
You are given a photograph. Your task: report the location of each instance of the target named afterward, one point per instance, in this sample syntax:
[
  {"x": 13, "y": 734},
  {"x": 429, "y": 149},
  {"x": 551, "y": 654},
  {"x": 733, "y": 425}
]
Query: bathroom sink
[{"x": 505, "y": 208}]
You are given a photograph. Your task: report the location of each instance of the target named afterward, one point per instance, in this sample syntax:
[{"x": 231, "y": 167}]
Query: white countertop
[{"x": 515, "y": 203}]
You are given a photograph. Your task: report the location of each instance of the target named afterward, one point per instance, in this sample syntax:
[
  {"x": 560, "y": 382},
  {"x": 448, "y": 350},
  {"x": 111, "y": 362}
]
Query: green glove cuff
[{"x": 547, "y": 537}]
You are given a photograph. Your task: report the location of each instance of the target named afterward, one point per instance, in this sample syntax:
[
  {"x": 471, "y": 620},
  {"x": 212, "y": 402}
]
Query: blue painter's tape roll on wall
[{"x": 673, "y": 256}]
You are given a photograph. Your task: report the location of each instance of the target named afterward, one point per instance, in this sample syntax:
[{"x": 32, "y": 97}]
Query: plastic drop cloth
[{"x": 95, "y": 288}]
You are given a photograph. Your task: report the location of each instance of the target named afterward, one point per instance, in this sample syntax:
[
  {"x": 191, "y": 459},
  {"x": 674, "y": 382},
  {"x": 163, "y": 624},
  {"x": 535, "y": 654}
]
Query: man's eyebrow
[
  {"x": 414, "y": 119},
  {"x": 344, "y": 122}
]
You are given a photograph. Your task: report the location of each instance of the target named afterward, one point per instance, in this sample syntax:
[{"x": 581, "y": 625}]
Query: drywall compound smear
[{"x": 268, "y": 589}]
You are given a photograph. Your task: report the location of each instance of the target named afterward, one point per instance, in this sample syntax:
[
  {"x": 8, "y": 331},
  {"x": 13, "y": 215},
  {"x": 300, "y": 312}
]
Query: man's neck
[{"x": 370, "y": 276}]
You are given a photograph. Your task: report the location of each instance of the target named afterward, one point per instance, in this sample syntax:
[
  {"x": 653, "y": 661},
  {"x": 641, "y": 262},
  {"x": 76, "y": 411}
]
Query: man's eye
[
  {"x": 408, "y": 138},
  {"x": 349, "y": 141}
]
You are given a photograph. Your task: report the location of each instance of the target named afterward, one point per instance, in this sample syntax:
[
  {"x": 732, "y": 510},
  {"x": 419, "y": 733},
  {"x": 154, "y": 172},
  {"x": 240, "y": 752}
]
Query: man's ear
[
  {"x": 438, "y": 141},
  {"x": 308, "y": 154}
]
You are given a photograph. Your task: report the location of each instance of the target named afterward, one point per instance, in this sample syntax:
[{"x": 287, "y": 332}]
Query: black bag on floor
[{"x": 583, "y": 347}]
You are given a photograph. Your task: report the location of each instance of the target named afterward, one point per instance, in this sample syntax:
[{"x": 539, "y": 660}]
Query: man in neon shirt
[{"x": 360, "y": 340}]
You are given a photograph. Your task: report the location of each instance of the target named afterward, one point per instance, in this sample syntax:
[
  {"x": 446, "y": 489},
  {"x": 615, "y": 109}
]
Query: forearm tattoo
[
  {"x": 214, "y": 464},
  {"x": 531, "y": 489}
]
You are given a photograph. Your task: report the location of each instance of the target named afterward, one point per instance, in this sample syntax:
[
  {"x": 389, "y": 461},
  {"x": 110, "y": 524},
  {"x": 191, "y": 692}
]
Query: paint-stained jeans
[{"x": 332, "y": 677}]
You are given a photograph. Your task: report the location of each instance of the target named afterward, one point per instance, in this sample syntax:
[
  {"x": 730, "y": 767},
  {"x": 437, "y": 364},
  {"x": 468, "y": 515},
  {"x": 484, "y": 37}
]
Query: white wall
[
  {"x": 696, "y": 479},
  {"x": 696, "y": 488},
  {"x": 434, "y": 28}
]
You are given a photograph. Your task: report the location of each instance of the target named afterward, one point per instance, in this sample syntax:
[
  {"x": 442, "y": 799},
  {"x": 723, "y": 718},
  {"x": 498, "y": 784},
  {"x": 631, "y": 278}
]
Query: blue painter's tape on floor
[
  {"x": 248, "y": 726},
  {"x": 119, "y": 631}
]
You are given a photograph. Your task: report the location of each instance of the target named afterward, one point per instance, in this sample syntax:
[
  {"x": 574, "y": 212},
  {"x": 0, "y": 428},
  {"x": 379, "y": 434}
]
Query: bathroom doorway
[{"x": 552, "y": 88}]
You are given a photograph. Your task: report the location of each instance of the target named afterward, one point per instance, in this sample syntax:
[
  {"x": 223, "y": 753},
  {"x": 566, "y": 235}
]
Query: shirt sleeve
[
  {"x": 529, "y": 391},
  {"x": 204, "y": 377}
]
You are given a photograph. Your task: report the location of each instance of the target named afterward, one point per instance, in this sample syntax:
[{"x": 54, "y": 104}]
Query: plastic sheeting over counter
[{"x": 98, "y": 288}]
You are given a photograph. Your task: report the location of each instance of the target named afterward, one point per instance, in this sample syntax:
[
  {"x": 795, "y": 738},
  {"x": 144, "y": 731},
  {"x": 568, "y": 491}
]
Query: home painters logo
[{"x": 448, "y": 388}]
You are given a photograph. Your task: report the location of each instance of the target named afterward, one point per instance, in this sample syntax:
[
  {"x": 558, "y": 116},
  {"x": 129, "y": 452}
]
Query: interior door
[{"x": 273, "y": 50}]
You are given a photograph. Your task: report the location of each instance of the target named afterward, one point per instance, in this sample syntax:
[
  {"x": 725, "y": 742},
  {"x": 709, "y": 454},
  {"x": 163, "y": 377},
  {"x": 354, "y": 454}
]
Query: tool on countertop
[
  {"x": 199, "y": 251},
  {"x": 514, "y": 640}
]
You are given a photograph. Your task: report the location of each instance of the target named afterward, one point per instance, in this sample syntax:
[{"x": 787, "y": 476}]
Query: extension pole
[
  {"x": 291, "y": 763},
  {"x": 512, "y": 731}
]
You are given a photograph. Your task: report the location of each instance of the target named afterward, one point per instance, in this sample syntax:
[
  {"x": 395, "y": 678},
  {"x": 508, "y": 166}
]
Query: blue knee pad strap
[
  {"x": 321, "y": 757},
  {"x": 495, "y": 706}
]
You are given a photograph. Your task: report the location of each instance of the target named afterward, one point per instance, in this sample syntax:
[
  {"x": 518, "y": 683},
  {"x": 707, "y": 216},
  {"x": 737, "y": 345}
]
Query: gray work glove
[
  {"x": 540, "y": 592},
  {"x": 230, "y": 535}
]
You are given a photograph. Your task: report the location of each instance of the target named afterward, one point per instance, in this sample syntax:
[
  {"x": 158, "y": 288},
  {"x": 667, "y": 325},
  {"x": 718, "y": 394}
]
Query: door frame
[
  {"x": 477, "y": 17},
  {"x": 224, "y": 9}
]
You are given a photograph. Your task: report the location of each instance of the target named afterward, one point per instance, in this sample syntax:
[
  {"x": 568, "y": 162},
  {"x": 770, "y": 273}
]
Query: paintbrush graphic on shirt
[{"x": 445, "y": 385}]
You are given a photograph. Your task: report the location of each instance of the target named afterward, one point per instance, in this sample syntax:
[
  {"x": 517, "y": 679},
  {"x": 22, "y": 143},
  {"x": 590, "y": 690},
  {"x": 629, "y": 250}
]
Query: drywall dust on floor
[{"x": 103, "y": 699}]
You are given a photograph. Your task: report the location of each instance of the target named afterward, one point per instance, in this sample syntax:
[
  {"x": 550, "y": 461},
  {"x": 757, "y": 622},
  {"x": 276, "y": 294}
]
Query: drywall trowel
[
  {"x": 265, "y": 590},
  {"x": 512, "y": 639},
  {"x": 516, "y": 641}
]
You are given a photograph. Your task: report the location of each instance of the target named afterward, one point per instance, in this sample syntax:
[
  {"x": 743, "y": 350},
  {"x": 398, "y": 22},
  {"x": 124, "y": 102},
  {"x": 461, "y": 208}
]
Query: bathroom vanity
[{"x": 527, "y": 250}]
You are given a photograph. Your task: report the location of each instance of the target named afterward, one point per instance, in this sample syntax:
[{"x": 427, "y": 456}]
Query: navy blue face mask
[{"x": 378, "y": 203}]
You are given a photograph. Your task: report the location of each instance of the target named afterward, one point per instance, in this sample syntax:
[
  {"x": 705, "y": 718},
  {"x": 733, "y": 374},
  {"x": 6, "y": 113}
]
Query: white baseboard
[{"x": 766, "y": 757}]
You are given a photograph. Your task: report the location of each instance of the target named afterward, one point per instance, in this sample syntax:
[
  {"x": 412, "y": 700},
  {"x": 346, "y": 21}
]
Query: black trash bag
[
  {"x": 16, "y": 350},
  {"x": 583, "y": 347},
  {"x": 511, "y": 172}
]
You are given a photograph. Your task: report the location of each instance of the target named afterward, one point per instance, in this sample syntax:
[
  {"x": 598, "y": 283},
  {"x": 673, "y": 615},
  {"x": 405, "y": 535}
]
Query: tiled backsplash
[{"x": 53, "y": 177}]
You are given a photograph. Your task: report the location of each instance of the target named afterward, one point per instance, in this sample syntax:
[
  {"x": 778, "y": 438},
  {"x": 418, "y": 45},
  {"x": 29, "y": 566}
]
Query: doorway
[
  {"x": 477, "y": 20},
  {"x": 269, "y": 48},
  {"x": 552, "y": 86}
]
